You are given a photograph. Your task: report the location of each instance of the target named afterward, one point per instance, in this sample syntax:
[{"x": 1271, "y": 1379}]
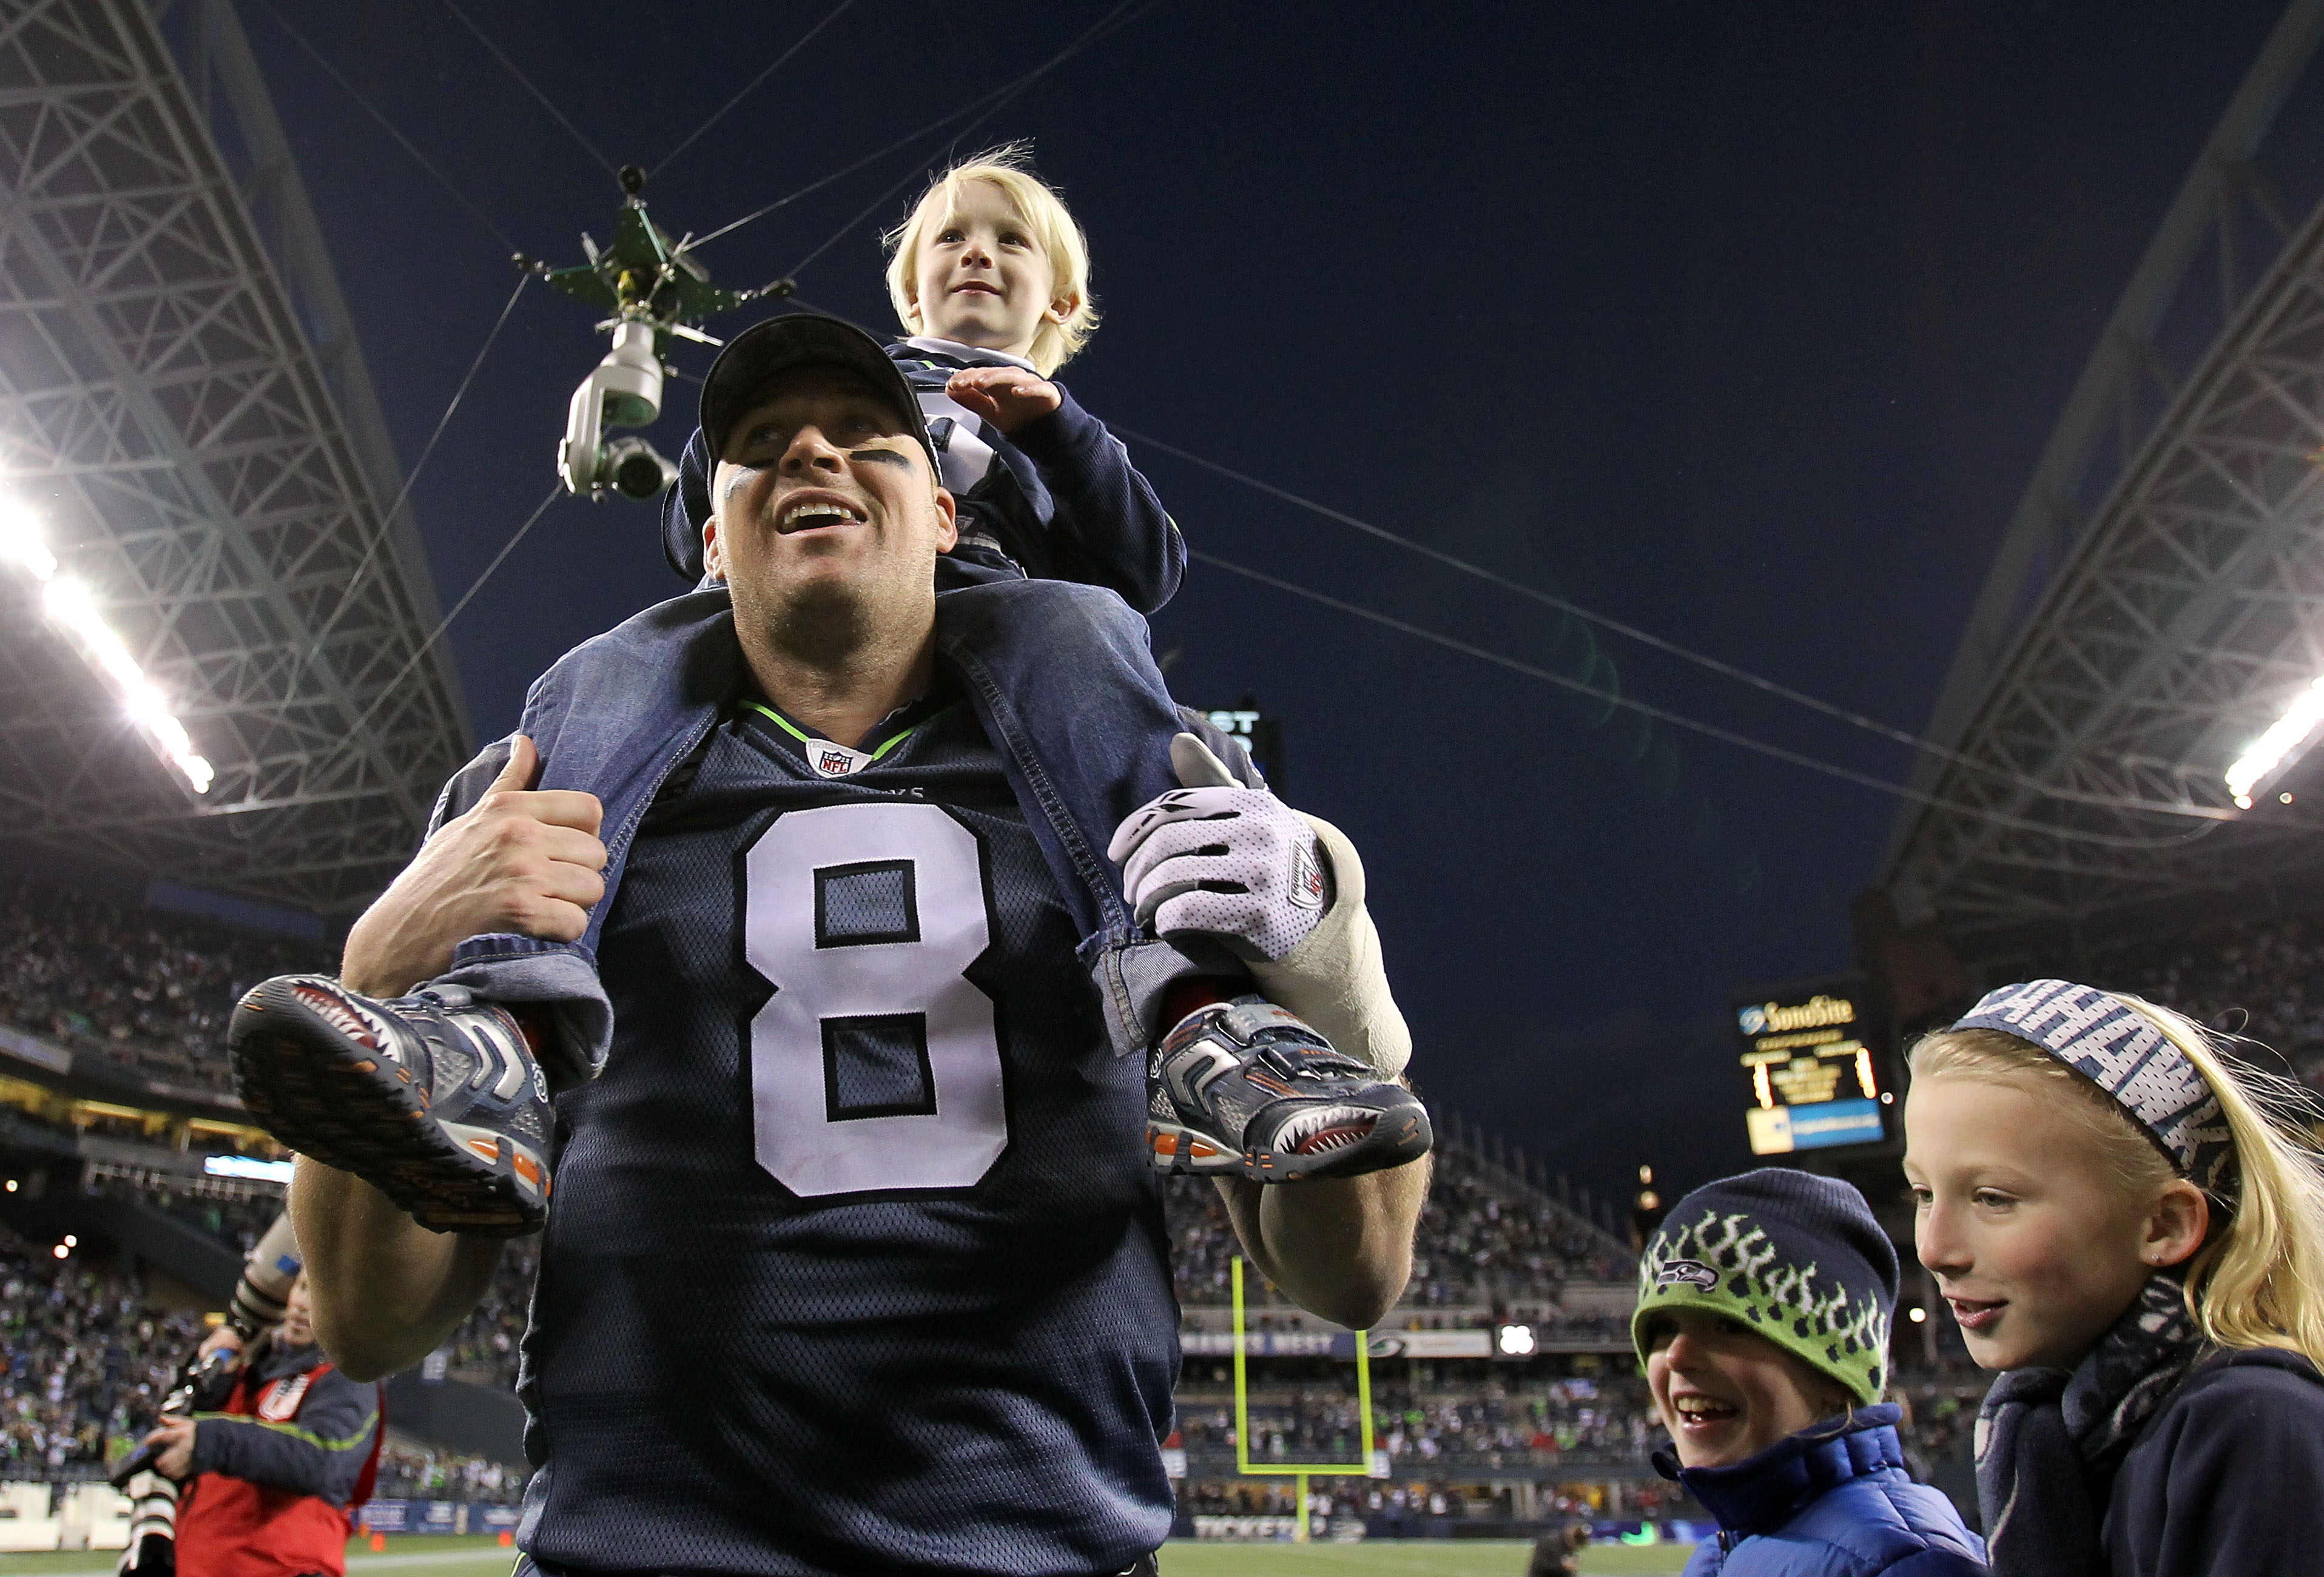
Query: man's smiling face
[{"x": 821, "y": 483}]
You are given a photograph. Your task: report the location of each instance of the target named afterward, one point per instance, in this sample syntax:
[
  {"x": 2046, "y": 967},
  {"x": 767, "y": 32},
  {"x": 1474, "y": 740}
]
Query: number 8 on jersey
[{"x": 875, "y": 1065}]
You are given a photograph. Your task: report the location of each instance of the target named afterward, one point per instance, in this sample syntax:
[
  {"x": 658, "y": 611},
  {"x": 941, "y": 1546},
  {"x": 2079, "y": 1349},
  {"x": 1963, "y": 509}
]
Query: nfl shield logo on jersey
[
  {"x": 834, "y": 761},
  {"x": 280, "y": 1401},
  {"x": 1306, "y": 879}
]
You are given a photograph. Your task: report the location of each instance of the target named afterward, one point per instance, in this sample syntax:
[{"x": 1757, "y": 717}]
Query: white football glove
[
  {"x": 1264, "y": 859},
  {"x": 1214, "y": 857}
]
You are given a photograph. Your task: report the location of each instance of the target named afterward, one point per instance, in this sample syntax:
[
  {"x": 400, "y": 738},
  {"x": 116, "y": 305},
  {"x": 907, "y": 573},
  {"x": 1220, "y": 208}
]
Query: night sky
[{"x": 1743, "y": 324}]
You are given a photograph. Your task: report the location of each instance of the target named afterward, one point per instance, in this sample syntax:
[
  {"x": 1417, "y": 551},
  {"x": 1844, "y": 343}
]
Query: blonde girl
[{"x": 2122, "y": 1226}]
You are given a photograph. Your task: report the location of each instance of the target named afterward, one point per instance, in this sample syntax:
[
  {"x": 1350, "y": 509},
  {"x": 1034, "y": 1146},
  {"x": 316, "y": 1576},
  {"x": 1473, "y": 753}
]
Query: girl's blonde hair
[
  {"x": 1009, "y": 168},
  {"x": 2258, "y": 1280}
]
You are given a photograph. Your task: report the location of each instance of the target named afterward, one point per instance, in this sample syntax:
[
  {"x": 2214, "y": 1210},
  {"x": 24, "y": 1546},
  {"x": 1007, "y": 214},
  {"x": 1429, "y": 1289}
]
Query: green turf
[{"x": 437, "y": 1556}]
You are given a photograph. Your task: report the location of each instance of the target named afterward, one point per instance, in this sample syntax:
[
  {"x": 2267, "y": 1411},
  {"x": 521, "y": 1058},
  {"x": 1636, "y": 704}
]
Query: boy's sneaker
[
  {"x": 1246, "y": 1087},
  {"x": 433, "y": 1100}
]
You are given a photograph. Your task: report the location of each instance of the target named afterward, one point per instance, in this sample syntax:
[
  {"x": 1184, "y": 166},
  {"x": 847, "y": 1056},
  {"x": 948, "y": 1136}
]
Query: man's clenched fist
[{"x": 520, "y": 861}]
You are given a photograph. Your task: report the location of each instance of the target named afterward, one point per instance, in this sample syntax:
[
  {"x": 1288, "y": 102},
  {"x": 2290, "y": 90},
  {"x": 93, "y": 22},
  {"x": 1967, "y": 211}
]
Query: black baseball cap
[{"x": 765, "y": 351}]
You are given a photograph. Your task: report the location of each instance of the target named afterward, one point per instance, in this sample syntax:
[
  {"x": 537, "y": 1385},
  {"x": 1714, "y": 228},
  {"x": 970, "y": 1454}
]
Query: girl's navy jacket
[{"x": 2227, "y": 1476}]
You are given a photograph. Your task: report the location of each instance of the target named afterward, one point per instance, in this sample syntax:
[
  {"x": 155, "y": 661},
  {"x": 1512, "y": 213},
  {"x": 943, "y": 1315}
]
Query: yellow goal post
[{"x": 1301, "y": 1471}]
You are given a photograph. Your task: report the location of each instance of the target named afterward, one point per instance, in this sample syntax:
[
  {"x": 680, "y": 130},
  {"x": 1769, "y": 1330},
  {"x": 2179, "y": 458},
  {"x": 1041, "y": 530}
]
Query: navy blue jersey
[{"x": 855, "y": 1262}]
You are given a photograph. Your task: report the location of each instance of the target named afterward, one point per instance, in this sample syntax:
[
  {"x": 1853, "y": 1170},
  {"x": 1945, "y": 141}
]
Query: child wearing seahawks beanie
[{"x": 1764, "y": 1306}]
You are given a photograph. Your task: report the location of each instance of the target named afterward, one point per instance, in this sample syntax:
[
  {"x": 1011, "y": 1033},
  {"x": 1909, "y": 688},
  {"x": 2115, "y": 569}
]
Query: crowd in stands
[
  {"x": 1480, "y": 1246},
  {"x": 87, "y": 1359},
  {"x": 2261, "y": 979},
  {"x": 1561, "y": 1427},
  {"x": 409, "y": 1470},
  {"x": 237, "y": 1218},
  {"x": 485, "y": 1347},
  {"x": 1574, "y": 1422},
  {"x": 1484, "y": 1242},
  {"x": 149, "y": 989}
]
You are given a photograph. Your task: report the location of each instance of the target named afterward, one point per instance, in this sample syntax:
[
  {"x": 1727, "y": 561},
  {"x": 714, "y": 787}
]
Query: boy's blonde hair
[
  {"x": 1010, "y": 168},
  {"x": 2258, "y": 1280}
]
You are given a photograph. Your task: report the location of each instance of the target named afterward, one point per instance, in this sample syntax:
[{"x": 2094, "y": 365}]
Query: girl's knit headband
[{"x": 2120, "y": 1051}]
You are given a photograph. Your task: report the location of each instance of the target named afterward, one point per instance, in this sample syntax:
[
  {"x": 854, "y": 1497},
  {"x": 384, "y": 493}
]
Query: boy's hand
[
  {"x": 1007, "y": 397},
  {"x": 1217, "y": 858}
]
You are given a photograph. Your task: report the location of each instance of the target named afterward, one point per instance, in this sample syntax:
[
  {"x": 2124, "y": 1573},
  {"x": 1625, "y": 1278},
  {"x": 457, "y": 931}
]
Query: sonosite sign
[{"x": 1814, "y": 1079}]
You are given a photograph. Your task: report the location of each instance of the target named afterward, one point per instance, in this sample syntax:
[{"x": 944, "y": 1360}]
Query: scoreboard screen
[
  {"x": 1814, "y": 1079},
  {"x": 1260, "y": 732}
]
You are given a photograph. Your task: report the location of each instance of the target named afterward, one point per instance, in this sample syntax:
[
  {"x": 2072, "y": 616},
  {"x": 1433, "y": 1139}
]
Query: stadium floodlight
[
  {"x": 2289, "y": 736},
  {"x": 21, "y": 543},
  {"x": 69, "y": 605}
]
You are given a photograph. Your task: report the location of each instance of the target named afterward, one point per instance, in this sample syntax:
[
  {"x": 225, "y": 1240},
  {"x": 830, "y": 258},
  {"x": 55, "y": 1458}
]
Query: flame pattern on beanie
[{"x": 1726, "y": 1260}]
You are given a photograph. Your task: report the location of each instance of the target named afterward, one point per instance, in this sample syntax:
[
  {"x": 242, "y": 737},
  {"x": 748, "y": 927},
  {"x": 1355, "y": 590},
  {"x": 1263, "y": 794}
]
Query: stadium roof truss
[
  {"x": 2159, "y": 597},
  {"x": 183, "y": 403}
]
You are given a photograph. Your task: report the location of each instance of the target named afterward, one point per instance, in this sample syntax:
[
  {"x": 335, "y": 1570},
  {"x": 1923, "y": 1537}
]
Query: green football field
[{"x": 425, "y": 1556}]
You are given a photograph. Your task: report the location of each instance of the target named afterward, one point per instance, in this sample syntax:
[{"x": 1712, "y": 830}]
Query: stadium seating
[
  {"x": 2261, "y": 979},
  {"x": 1548, "y": 1423},
  {"x": 1488, "y": 1241},
  {"x": 236, "y": 1213},
  {"x": 148, "y": 989},
  {"x": 485, "y": 1347},
  {"x": 88, "y": 1357},
  {"x": 88, "y": 1360},
  {"x": 410, "y": 1470}
]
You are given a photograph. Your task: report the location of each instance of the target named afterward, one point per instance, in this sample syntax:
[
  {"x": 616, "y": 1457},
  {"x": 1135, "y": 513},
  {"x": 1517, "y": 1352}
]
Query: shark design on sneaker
[
  {"x": 1246, "y": 1087},
  {"x": 435, "y": 1099}
]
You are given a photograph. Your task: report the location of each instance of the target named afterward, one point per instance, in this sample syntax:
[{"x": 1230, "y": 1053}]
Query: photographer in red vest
[{"x": 270, "y": 1475}]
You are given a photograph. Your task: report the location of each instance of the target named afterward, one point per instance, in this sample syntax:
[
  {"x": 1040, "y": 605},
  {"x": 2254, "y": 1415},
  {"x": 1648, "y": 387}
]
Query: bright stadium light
[
  {"x": 2291, "y": 732},
  {"x": 21, "y": 543},
  {"x": 247, "y": 1167},
  {"x": 69, "y": 605}
]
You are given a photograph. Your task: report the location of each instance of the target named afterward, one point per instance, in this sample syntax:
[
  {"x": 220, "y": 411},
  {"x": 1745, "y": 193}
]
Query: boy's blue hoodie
[{"x": 1830, "y": 1501}]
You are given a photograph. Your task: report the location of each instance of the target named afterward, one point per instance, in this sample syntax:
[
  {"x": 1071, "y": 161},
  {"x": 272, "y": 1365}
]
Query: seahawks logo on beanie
[
  {"x": 1786, "y": 1255},
  {"x": 1693, "y": 1272}
]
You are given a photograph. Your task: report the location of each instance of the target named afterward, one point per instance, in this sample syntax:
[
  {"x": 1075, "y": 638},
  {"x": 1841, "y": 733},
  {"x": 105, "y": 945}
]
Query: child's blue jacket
[{"x": 1830, "y": 1501}]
